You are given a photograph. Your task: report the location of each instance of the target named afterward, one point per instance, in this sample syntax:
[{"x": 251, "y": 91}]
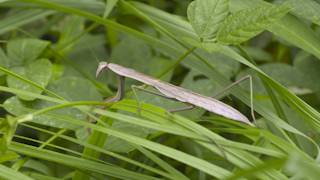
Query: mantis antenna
[{"x": 93, "y": 53}]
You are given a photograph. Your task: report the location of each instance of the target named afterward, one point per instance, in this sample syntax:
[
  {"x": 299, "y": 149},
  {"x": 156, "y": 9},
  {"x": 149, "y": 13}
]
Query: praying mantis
[{"x": 176, "y": 93}]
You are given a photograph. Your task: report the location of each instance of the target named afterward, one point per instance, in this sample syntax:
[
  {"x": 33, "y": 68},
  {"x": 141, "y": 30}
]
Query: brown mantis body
[{"x": 175, "y": 93}]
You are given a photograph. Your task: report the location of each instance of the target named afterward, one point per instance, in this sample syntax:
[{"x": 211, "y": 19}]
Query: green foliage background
[{"x": 48, "y": 85}]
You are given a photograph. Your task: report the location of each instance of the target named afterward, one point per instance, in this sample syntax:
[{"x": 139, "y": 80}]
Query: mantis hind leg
[{"x": 251, "y": 95}]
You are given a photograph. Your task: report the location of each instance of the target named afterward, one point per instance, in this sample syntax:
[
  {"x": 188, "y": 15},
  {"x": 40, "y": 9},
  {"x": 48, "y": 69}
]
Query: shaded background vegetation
[{"x": 49, "y": 46}]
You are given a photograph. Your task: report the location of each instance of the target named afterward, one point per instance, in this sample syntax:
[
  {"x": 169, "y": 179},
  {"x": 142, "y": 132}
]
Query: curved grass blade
[
  {"x": 94, "y": 7},
  {"x": 23, "y": 17},
  {"x": 9, "y": 173},
  {"x": 109, "y": 6},
  {"x": 76, "y": 162}
]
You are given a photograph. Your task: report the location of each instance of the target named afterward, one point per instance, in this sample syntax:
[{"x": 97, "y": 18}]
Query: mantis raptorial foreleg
[{"x": 118, "y": 97}]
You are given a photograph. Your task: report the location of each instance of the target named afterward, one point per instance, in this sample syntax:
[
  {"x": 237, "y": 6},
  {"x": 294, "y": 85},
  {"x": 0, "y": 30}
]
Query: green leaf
[
  {"x": 21, "y": 18},
  {"x": 306, "y": 8},
  {"x": 39, "y": 167},
  {"x": 39, "y": 72},
  {"x": 93, "y": 7},
  {"x": 8, "y": 133},
  {"x": 109, "y": 6},
  {"x": 310, "y": 68},
  {"x": 306, "y": 169},
  {"x": 68, "y": 33},
  {"x": 245, "y": 24},
  {"x": 236, "y": 5},
  {"x": 112, "y": 35},
  {"x": 115, "y": 144},
  {"x": 22, "y": 51},
  {"x": 8, "y": 156},
  {"x": 57, "y": 72},
  {"x": 206, "y": 16},
  {"x": 70, "y": 88},
  {"x": 207, "y": 46},
  {"x": 130, "y": 52},
  {"x": 258, "y": 54},
  {"x": 226, "y": 65},
  {"x": 82, "y": 57},
  {"x": 4, "y": 61},
  {"x": 11, "y": 174},
  {"x": 285, "y": 74},
  {"x": 290, "y": 28}
]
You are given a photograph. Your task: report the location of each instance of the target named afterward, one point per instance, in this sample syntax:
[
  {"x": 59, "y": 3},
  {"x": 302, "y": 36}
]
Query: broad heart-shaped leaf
[
  {"x": 210, "y": 47},
  {"x": 70, "y": 88},
  {"x": 22, "y": 51},
  {"x": 306, "y": 8},
  {"x": 206, "y": 16},
  {"x": 247, "y": 23},
  {"x": 39, "y": 72}
]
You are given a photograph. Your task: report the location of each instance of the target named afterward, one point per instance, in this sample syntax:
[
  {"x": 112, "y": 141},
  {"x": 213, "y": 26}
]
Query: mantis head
[{"x": 102, "y": 67}]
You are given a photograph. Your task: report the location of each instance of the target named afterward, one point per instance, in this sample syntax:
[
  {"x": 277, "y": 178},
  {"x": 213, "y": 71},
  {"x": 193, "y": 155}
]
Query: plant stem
[{"x": 175, "y": 63}]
